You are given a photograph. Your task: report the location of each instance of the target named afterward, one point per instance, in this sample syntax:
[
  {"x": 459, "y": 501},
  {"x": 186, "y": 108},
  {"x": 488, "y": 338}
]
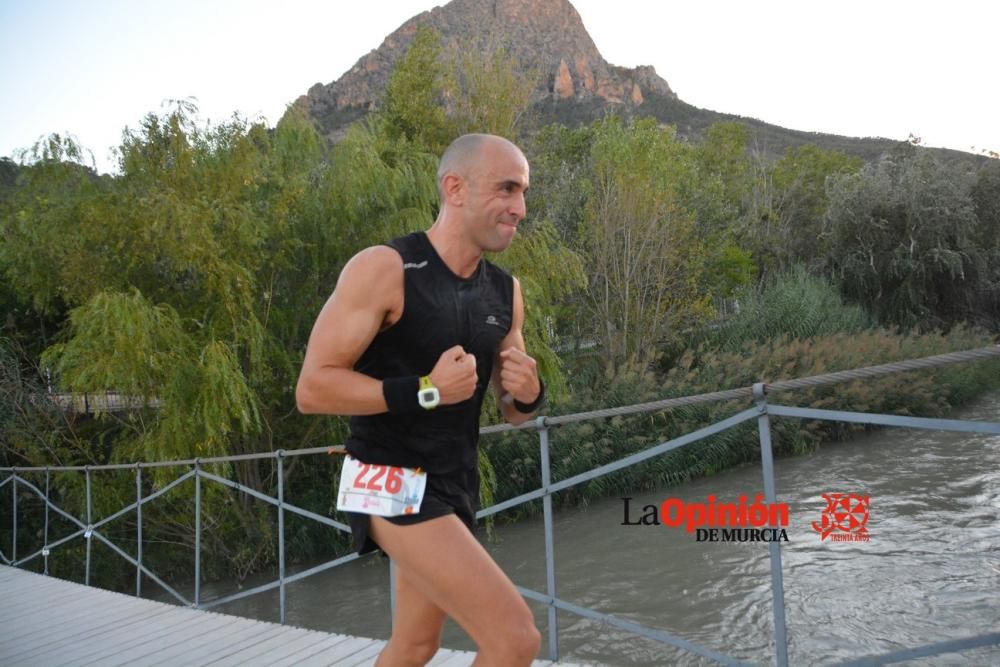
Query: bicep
[{"x": 354, "y": 313}]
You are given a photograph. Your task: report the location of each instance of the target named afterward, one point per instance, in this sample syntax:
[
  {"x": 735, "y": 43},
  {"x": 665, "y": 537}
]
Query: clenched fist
[
  {"x": 454, "y": 375},
  {"x": 519, "y": 375}
]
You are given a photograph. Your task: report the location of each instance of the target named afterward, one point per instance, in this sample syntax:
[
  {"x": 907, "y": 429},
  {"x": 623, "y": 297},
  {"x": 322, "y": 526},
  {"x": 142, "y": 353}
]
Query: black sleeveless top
[{"x": 440, "y": 310}]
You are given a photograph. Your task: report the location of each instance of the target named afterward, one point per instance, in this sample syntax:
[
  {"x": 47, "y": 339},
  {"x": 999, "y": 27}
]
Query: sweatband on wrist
[
  {"x": 401, "y": 395},
  {"x": 528, "y": 408}
]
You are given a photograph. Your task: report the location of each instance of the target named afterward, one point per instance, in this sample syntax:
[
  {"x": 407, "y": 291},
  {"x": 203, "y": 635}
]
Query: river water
[{"x": 930, "y": 572}]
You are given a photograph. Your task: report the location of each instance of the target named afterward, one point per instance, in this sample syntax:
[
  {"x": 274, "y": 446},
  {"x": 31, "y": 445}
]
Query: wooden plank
[
  {"x": 73, "y": 630},
  {"x": 459, "y": 659},
  {"x": 328, "y": 644},
  {"x": 359, "y": 658},
  {"x": 225, "y": 647},
  {"x": 30, "y": 599},
  {"x": 87, "y": 634},
  {"x": 208, "y": 628},
  {"x": 69, "y": 630},
  {"x": 195, "y": 652},
  {"x": 17, "y": 581},
  {"x": 77, "y": 595},
  {"x": 109, "y": 645},
  {"x": 53, "y": 622},
  {"x": 291, "y": 639},
  {"x": 43, "y": 620}
]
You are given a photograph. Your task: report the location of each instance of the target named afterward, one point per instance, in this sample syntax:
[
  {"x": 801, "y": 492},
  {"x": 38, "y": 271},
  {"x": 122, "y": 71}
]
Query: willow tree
[
  {"x": 494, "y": 93},
  {"x": 790, "y": 202},
  {"x": 645, "y": 262},
  {"x": 900, "y": 237},
  {"x": 412, "y": 108}
]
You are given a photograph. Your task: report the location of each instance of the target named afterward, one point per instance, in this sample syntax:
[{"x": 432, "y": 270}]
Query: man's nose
[{"x": 518, "y": 207}]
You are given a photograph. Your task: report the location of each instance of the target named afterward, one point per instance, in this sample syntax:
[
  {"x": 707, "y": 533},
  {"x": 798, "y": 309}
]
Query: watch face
[{"x": 429, "y": 398}]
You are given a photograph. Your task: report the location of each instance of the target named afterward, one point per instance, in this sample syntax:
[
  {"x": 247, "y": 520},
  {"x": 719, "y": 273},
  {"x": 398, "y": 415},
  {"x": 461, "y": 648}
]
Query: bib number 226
[{"x": 380, "y": 489}]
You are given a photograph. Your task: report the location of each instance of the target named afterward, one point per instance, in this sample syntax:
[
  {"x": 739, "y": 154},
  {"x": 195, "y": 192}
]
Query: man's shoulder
[{"x": 374, "y": 262}]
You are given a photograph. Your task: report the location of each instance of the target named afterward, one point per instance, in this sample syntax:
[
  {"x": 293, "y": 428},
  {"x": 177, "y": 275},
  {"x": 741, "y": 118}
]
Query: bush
[{"x": 582, "y": 446}]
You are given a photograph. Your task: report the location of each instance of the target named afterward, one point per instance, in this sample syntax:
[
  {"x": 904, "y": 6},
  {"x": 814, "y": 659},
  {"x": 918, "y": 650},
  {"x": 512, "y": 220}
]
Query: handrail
[{"x": 762, "y": 411}]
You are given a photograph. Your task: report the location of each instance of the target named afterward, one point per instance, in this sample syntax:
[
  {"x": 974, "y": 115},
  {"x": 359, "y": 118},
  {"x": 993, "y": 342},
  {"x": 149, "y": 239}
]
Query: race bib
[{"x": 380, "y": 490}]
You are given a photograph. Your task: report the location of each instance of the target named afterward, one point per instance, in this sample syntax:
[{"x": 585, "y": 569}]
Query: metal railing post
[
  {"x": 774, "y": 546},
  {"x": 550, "y": 564},
  {"x": 197, "y": 532},
  {"x": 45, "y": 535},
  {"x": 138, "y": 536},
  {"x": 13, "y": 492},
  {"x": 278, "y": 455},
  {"x": 90, "y": 523},
  {"x": 392, "y": 593}
]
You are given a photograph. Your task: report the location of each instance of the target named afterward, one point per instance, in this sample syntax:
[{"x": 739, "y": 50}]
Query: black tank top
[{"x": 440, "y": 310}]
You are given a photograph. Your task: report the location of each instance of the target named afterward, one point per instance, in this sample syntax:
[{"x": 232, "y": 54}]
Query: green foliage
[
  {"x": 796, "y": 305},
  {"x": 378, "y": 189},
  {"x": 583, "y": 446},
  {"x": 413, "y": 108},
  {"x": 494, "y": 93},
  {"x": 985, "y": 194},
  {"x": 900, "y": 238},
  {"x": 785, "y": 222},
  {"x": 647, "y": 265}
]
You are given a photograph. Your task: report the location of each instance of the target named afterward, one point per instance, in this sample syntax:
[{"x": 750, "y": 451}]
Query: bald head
[{"x": 466, "y": 153}]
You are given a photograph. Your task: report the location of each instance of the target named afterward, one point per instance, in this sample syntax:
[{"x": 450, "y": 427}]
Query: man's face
[{"x": 494, "y": 202}]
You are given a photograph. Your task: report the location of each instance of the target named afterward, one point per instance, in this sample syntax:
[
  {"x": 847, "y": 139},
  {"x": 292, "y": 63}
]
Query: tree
[
  {"x": 900, "y": 238},
  {"x": 413, "y": 107},
  {"x": 494, "y": 93},
  {"x": 789, "y": 220},
  {"x": 645, "y": 262}
]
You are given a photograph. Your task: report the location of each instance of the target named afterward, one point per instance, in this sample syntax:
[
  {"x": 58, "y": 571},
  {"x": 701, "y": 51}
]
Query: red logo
[{"x": 845, "y": 518}]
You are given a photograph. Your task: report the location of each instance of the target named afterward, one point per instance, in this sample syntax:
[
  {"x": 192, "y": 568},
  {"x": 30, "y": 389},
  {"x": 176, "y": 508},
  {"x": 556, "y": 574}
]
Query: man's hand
[
  {"x": 519, "y": 375},
  {"x": 454, "y": 375}
]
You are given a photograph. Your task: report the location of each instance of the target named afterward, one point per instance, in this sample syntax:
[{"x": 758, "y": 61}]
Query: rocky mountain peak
[{"x": 547, "y": 35}]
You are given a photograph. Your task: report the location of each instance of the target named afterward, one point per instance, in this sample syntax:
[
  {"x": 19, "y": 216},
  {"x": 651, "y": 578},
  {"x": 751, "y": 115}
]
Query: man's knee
[
  {"x": 421, "y": 652},
  {"x": 408, "y": 651},
  {"x": 517, "y": 639}
]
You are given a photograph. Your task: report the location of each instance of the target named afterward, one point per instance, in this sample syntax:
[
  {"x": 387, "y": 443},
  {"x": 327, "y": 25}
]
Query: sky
[{"x": 859, "y": 68}]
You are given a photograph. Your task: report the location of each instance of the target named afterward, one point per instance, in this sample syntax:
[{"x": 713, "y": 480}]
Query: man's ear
[{"x": 453, "y": 188}]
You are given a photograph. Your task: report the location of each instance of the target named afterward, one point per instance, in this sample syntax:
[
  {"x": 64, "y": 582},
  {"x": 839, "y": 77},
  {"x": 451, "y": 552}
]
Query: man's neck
[{"x": 458, "y": 254}]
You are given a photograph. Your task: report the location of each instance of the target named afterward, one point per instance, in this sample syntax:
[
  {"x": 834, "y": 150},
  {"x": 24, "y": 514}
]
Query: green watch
[{"x": 428, "y": 395}]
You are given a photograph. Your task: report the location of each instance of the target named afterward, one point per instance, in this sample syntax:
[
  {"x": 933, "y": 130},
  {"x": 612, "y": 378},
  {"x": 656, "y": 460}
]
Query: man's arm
[
  {"x": 515, "y": 373},
  {"x": 369, "y": 296},
  {"x": 369, "y": 288}
]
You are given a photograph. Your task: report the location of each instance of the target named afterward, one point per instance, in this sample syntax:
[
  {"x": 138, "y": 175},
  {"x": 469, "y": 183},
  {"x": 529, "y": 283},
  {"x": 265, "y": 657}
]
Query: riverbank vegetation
[{"x": 652, "y": 267}]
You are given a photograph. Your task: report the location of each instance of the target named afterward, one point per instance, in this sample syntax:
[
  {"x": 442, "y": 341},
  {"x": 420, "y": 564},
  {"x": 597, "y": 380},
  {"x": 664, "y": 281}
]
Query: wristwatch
[{"x": 428, "y": 395}]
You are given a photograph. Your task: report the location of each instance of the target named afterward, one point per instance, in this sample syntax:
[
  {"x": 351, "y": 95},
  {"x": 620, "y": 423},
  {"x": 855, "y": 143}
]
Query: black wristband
[
  {"x": 401, "y": 395},
  {"x": 528, "y": 408}
]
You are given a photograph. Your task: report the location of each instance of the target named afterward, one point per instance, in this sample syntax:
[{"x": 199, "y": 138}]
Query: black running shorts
[{"x": 451, "y": 493}]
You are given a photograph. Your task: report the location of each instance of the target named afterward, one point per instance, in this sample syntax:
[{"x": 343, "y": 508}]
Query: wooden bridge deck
[{"x": 51, "y": 622}]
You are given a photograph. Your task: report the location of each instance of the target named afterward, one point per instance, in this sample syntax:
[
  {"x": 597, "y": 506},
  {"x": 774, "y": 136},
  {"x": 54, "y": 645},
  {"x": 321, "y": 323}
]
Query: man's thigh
[
  {"x": 445, "y": 563},
  {"x": 416, "y": 619}
]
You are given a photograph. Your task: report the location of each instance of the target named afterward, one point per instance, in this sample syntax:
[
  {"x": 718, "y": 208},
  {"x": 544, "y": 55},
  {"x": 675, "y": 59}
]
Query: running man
[{"x": 406, "y": 345}]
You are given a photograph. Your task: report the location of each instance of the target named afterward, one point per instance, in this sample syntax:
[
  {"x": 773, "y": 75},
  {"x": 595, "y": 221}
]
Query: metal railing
[{"x": 761, "y": 412}]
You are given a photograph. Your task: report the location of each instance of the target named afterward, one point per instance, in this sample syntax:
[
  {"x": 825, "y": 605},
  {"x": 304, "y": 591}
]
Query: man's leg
[
  {"x": 416, "y": 627},
  {"x": 445, "y": 563}
]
